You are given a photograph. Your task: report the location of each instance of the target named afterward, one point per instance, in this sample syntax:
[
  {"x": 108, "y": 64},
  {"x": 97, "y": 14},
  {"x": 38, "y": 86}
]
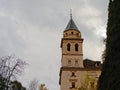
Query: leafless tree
[
  {"x": 10, "y": 67},
  {"x": 33, "y": 85}
]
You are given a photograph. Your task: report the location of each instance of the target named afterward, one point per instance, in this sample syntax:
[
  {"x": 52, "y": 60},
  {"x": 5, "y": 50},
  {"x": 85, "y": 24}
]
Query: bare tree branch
[
  {"x": 10, "y": 67},
  {"x": 33, "y": 84}
]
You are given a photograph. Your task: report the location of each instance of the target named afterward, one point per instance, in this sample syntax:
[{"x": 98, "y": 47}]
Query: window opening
[
  {"x": 69, "y": 62},
  {"x": 76, "y": 62},
  {"x": 76, "y": 47},
  {"x": 73, "y": 74},
  {"x": 68, "y": 47},
  {"x": 73, "y": 84},
  {"x": 97, "y": 64},
  {"x": 71, "y": 32}
]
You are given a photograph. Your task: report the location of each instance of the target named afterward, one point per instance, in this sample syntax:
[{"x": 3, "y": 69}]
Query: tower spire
[
  {"x": 71, "y": 13},
  {"x": 71, "y": 25}
]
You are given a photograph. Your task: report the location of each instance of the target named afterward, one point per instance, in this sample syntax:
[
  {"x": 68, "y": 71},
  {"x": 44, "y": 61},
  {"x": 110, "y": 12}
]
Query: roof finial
[{"x": 71, "y": 13}]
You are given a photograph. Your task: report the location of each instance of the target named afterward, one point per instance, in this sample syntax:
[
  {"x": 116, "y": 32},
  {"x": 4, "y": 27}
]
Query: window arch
[
  {"x": 73, "y": 74},
  {"x": 73, "y": 84},
  {"x": 68, "y": 47},
  {"x": 69, "y": 62},
  {"x": 76, "y": 62},
  {"x": 76, "y": 47}
]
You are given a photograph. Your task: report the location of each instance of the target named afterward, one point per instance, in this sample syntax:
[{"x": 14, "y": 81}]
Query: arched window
[
  {"x": 76, "y": 47},
  {"x": 69, "y": 62},
  {"x": 76, "y": 62},
  {"x": 68, "y": 47}
]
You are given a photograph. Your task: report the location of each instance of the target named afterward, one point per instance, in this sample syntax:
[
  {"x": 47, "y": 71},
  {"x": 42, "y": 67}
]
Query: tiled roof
[{"x": 71, "y": 25}]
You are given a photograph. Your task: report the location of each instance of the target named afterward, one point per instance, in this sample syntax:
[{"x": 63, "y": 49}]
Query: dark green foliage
[
  {"x": 17, "y": 86},
  {"x": 110, "y": 76},
  {"x": 3, "y": 85}
]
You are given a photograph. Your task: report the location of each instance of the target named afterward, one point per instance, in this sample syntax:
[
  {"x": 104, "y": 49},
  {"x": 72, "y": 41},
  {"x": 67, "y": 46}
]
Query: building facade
[{"x": 76, "y": 73}]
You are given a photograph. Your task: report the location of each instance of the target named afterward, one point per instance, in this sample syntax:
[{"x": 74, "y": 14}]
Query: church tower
[{"x": 72, "y": 57}]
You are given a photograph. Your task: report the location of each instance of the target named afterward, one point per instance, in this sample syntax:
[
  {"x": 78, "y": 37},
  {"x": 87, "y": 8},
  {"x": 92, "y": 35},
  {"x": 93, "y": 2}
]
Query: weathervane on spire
[{"x": 71, "y": 13}]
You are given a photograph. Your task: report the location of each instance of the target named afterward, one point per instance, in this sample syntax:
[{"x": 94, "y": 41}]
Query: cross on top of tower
[{"x": 71, "y": 13}]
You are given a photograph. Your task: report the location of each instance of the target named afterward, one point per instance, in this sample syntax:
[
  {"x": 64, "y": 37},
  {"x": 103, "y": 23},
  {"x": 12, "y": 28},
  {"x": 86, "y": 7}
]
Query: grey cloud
[{"x": 10, "y": 39}]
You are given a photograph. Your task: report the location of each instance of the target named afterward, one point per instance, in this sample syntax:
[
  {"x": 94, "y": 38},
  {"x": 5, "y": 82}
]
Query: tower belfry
[{"x": 72, "y": 56}]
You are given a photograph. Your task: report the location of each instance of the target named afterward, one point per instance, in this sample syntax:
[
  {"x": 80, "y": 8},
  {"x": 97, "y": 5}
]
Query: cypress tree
[{"x": 110, "y": 76}]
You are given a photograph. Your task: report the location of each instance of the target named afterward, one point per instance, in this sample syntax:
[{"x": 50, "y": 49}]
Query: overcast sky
[{"x": 32, "y": 30}]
